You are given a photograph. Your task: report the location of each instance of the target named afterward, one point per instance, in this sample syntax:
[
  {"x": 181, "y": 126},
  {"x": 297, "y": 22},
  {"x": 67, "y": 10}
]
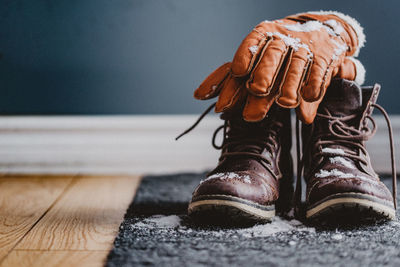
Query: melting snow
[
  {"x": 253, "y": 49},
  {"x": 337, "y": 27},
  {"x": 339, "y": 50},
  {"x": 335, "y": 173},
  {"x": 291, "y": 213},
  {"x": 308, "y": 26},
  {"x": 338, "y": 151},
  {"x": 295, "y": 43},
  {"x": 228, "y": 176},
  {"x": 339, "y": 174},
  {"x": 351, "y": 21},
  {"x": 394, "y": 223},
  {"x": 337, "y": 237},
  {"x": 160, "y": 221},
  {"x": 278, "y": 225},
  {"x": 313, "y": 25},
  {"x": 342, "y": 161},
  {"x": 294, "y": 229}
]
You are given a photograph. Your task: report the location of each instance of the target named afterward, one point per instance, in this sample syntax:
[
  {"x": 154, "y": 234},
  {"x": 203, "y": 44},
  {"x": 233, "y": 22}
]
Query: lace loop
[{"x": 215, "y": 136}]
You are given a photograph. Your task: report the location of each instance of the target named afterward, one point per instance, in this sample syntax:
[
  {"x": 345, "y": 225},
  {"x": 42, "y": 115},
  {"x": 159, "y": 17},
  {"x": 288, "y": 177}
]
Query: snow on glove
[{"x": 290, "y": 62}]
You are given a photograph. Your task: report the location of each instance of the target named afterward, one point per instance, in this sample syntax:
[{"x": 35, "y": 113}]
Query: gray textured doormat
[{"x": 157, "y": 232}]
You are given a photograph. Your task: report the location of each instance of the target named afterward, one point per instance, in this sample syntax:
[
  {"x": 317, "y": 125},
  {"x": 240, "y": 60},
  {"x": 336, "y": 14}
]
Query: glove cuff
[{"x": 360, "y": 71}]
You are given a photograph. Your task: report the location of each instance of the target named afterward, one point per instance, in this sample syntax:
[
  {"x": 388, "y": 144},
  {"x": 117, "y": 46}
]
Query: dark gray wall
[{"x": 147, "y": 56}]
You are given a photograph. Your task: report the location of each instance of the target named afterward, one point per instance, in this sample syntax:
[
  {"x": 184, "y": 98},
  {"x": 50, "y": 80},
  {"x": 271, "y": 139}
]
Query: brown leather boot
[
  {"x": 341, "y": 182},
  {"x": 254, "y": 167}
]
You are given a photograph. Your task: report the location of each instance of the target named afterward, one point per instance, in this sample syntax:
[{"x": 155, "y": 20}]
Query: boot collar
[{"x": 344, "y": 98}]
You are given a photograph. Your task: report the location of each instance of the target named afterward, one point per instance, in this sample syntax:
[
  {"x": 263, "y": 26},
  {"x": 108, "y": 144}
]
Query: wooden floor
[{"x": 61, "y": 220}]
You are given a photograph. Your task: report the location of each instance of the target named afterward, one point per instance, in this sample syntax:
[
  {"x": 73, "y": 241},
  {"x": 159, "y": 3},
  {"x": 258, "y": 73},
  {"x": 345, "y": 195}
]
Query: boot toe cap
[
  {"x": 245, "y": 185},
  {"x": 322, "y": 188}
]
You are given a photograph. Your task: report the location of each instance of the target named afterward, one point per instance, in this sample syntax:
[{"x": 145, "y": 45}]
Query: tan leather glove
[{"x": 290, "y": 62}]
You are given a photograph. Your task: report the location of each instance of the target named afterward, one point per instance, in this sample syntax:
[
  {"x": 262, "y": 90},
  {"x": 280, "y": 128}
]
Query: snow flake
[
  {"x": 337, "y": 237},
  {"x": 228, "y": 176},
  {"x": 337, "y": 27},
  {"x": 160, "y": 221},
  {"x": 253, "y": 49},
  {"x": 278, "y": 225},
  {"x": 308, "y": 26},
  {"x": 295, "y": 43},
  {"x": 338, "y": 151},
  {"x": 171, "y": 223},
  {"x": 339, "y": 50},
  {"x": 342, "y": 161},
  {"x": 314, "y": 25},
  {"x": 335, "y": 173},
  {"x": 352, "y": 22}
]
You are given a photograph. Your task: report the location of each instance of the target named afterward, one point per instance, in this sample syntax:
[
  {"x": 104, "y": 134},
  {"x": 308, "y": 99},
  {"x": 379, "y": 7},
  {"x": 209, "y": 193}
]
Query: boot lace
[
  {"x": 239, "y": 141},
  {"x": 349, "y": 138}
]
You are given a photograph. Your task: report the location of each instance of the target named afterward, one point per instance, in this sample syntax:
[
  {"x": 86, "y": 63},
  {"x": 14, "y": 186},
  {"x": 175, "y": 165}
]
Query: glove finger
[
  {"x": 238, "y": 100},
  {"x": 211, "y": 86},
  {"x": 317, "y": 80},
  {"x": 346, "y": 70},
  {"x": 351, "y": 69},
  {"x": 256, "y": 107},
  {"x": 229, "y": 94},
  {"x": 266, "y": 71},
  {"x": 289, "y": 96},
  {"x": 306, "y": 111},
  {"x": 247, "y": 53}
]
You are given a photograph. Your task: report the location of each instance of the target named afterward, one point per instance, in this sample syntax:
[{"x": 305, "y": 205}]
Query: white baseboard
[{"x": 126, "y": 144}]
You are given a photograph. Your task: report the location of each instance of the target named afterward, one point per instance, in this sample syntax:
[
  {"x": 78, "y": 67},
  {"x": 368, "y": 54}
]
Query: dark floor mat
[{"x": 156, "y": 231}]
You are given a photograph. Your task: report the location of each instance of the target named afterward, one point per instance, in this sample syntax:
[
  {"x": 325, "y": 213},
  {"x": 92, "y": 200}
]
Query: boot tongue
[{"x": 342, "y": 98}]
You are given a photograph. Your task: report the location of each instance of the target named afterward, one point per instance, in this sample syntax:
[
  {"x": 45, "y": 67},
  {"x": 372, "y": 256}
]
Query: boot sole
[
  {"x": 222, "y": 209},
  {"x": 354, "y": 205}
]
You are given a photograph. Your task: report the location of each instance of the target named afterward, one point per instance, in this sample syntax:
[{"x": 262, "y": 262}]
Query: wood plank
[
  {"x": 33, "y": 258},
  {"x": 23, "y": 200},
  {"x": 87, "y": 216}
]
